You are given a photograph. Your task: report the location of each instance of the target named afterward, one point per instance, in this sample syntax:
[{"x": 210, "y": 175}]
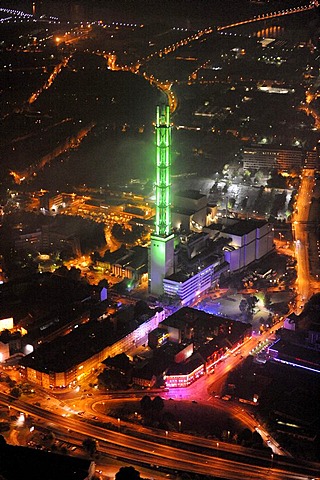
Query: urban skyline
[{"x": 159, "y": 239}]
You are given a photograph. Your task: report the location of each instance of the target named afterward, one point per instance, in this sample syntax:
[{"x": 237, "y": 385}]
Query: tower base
[{"x": 161, "y": 262}]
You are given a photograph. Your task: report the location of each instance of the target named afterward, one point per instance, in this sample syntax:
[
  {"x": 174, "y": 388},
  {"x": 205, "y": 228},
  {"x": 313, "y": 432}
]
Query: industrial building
[
  {"x": 250, "y": 241},
  {"x": 189, "y": 251},
  {"x": 191, "y": 212},
  {"x": 219, "y": 249},
  {"x": 131, "y": 263}
]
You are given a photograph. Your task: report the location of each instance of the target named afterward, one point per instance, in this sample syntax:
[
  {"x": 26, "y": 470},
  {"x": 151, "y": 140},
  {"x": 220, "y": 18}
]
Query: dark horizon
[{"x": 169, "y": 11}]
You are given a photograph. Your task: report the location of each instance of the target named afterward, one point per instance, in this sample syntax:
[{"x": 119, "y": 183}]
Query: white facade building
[
  {"x": 188, "y": 287},
  {"x": 250, "y": 241}
]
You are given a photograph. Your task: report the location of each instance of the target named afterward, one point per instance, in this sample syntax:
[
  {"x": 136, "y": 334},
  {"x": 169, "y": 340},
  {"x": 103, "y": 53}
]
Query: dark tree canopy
[
  {"x": 277, "y": 180},
  {"x": 245, "y": 437},
  {"x": 141, "y": 307},
  {"x": 257, "y": 440},
  {"x": 146, "y": 403},
  {"x": 15, "y": 392},
  {"x": 90, "y": 446},
  {"x": 128, "y": 473},
  {"x": 158, "y": 404}
]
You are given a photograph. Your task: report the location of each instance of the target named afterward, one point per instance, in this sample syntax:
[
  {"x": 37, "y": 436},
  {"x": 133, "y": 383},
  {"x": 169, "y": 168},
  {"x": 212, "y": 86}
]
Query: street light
[
  {"x": 179, "y": 423},
  {"x": 119, "y": 424}
]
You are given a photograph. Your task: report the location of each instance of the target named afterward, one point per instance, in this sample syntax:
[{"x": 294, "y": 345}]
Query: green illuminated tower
[
  {"x": 163, "y": 180},
  {"x": 162, "y": 242}
]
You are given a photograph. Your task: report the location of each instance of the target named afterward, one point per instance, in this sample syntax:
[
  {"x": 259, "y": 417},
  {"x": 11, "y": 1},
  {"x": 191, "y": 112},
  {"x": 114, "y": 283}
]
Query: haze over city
[{"x": 159, "y": 239}]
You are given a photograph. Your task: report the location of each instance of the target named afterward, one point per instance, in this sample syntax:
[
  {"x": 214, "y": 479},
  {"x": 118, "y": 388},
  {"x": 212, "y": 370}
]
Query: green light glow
[{"x": 163, "y": 173}]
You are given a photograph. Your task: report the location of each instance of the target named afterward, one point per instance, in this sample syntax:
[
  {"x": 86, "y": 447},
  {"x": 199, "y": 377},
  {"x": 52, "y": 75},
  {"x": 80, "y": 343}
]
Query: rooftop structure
[
  {"x": 295, "y": 355},
  {"x": 192, "y": 324},
  {"x": 210, "y": 337},
  {"x": 69, "y": 358},
  {"x": 204, "y": 257},
  {"x": 126, "y": 262}
]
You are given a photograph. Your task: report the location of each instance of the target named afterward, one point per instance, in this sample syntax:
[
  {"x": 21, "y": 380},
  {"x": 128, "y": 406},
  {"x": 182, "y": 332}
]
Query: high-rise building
[
  {"x": 285, "y": 159},
  {"x": 161, "y": 261}
]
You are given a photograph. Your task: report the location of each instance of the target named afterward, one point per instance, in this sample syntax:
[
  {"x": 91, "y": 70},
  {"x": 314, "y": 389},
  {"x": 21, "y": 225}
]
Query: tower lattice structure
[
  {"x": 161, "y": 254},
  {"x": 163, "y": 171}
]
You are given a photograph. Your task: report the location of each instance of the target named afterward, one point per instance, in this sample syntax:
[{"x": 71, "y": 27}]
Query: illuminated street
[
  {"x": 305, "y": 285},
  {"x": 165, "y": 455}
]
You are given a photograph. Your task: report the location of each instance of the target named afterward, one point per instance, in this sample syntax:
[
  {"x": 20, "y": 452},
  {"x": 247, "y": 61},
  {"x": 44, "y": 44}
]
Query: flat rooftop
[
  {"x": 206, "y": 324},
  {"x": 244, "y": 227},
  {"x": 194, "y": 194},
  {"x": 298, "y": 354},
  {"x": 83, "y": 342}
]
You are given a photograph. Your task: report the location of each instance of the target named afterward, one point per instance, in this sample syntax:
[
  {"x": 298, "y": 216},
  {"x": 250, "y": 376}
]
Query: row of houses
[{"x": 185, "y": 346}]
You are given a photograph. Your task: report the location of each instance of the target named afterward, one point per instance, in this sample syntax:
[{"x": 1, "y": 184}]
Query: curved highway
[{"x": 173, "y": 453}]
